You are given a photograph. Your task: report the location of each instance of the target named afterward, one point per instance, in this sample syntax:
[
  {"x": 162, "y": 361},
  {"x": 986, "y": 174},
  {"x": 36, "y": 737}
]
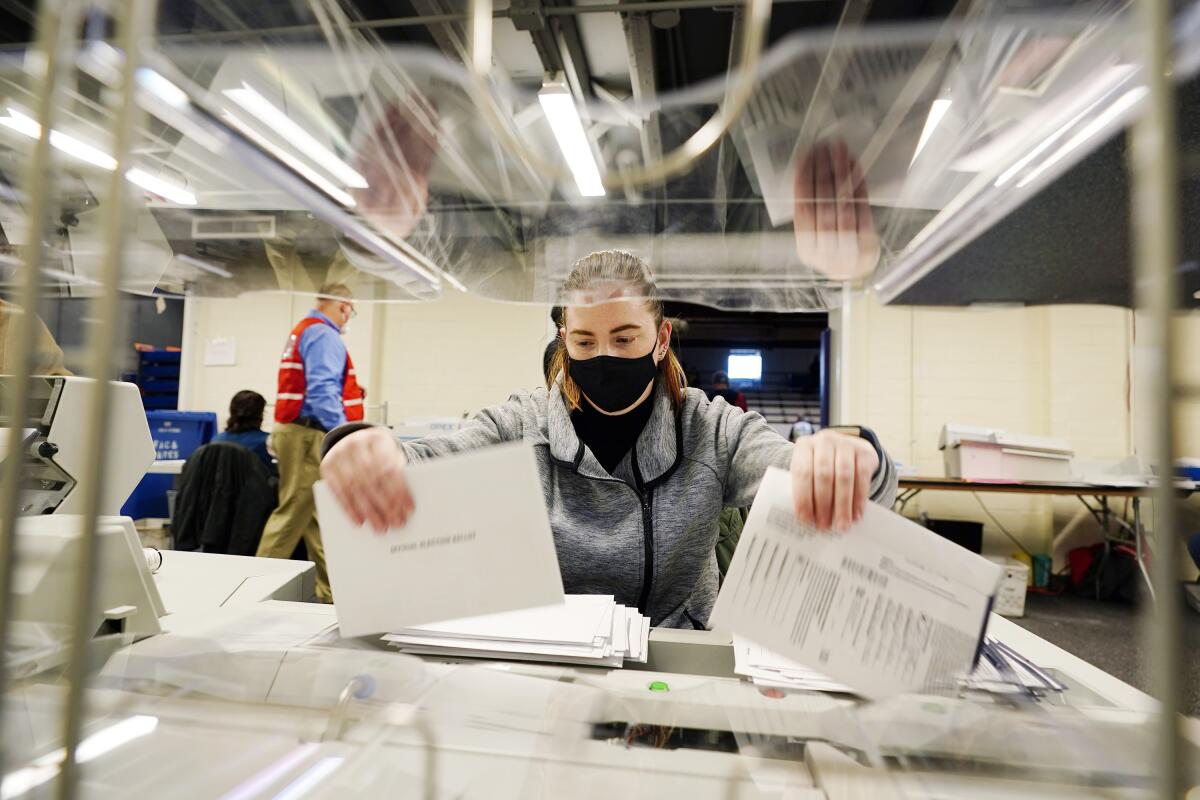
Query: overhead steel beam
[
  {"x": 530, "y": 16},
  {"x": 727, "y": 152},
  {"x": 639, "y": 45},
  {"x": 571, "y": 51},
  {"x": 556, "y": 39},
  {"x": 405, "y": 22},
  {"x": 449, "y": 34}
]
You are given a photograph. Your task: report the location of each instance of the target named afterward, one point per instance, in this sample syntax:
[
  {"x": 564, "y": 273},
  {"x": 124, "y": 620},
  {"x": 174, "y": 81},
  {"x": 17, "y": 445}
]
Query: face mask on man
[{"x": 613, "y": 383}]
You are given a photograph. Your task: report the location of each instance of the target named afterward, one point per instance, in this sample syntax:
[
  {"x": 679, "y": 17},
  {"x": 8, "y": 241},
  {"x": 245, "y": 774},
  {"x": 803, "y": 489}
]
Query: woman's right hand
[{"x": 365, "y": 471}]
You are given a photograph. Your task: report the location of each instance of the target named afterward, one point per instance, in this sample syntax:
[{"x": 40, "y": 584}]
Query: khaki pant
[{"x": 299, "y": 452}]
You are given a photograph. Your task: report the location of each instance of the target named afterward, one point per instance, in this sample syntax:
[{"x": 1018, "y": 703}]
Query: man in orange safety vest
[{"x": 317, "y": 391}]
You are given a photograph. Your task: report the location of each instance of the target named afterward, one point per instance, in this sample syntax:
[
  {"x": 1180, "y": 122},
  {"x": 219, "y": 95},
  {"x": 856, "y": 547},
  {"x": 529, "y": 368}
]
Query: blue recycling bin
[{"x": 176, "y": 434}]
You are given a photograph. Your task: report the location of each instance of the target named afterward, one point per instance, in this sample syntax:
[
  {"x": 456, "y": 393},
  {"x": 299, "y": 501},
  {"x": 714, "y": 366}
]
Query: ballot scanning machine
[
  {"x": 275, "y": 699},
  {"x": 48, "y": 556},
  {"x": 55, "y": 439},
  {"x": 49, "y": 537}
]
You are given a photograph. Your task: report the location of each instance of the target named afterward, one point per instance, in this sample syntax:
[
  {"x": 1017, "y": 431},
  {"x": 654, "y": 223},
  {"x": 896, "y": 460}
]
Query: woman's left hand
[{"x": 831, "y": 479}]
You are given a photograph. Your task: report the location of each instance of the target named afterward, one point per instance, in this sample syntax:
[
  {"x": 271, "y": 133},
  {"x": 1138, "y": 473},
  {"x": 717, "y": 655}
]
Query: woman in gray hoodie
[{"x": 635, "y": 466}]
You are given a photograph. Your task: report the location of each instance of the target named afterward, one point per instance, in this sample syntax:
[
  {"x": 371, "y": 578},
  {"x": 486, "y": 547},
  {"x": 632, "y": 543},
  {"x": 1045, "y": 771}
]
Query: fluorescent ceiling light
[
  {"x": 1025, "y": 160},
  {"x": 310, "y": 174},
  {"x": 114, "y": 736},
  {"x": 24, "y": 780},
  {"x": 283, "y": 125},
  {"x": 202, "y": 265},
  {"x": 1070, "y": 109},
  {"x": 162, "y": 88},
  {"x": 1122, "y": 103},
  {"x": 61, "y": 141},
  {"x": 21, "y": 124},
  {"x": 257, "y": 784},
  {"x": 68, "y": 278},
  {"x": 85, "y": 152},
  {"x": 176, "y": 194},
  {"x": 310, "y": 778},
  {"x": 49, "y": 272},
  {"x": 105, "y": 740},
  {"x": 936, "y": 111},
  {"x": 560, "y": 111}
]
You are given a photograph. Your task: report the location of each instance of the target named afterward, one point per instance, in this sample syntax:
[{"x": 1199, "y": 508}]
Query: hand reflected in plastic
[
  {"x": 835, "y": 230},
  {"x": 395, "y": 159}
]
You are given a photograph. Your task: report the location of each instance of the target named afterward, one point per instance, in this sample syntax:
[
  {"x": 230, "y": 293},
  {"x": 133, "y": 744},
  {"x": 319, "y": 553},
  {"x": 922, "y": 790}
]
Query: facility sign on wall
[{"x": 220, "y": 352}]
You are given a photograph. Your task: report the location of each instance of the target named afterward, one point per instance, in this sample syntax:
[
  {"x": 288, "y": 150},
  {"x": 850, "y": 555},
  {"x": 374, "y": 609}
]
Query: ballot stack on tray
[
  {"x": 767, "y": 668},
  {"x": 586, "y": 629},
  {"x": 1000, "y": 670}
]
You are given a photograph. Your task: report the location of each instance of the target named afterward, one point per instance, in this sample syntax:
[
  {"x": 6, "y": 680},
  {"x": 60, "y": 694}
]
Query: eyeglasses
[{"x": 353, "y": 312}]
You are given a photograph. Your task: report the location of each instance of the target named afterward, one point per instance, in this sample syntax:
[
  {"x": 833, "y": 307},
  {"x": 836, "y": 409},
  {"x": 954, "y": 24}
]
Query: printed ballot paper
[
  {"x": 886, "y": 607},
  {"x": 477, "y": 542}
]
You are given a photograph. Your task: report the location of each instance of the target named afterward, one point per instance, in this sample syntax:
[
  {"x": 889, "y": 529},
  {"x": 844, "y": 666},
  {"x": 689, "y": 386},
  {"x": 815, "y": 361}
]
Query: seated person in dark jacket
[
  {"x": 244, "y": 426},
  {"x": 225, "y": 496},
  {"x": 720, "y": 388}
]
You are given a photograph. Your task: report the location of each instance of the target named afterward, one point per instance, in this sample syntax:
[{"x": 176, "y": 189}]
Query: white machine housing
[
  {"x": 55, "y": 461},
  {"x": 127, "y": 601}
]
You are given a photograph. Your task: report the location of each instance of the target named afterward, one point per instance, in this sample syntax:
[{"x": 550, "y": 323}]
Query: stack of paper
[
  {"x": 768, "y": 668},
  {"x": 1000, "y": 670},
  {"x": 586, "y": 629}
]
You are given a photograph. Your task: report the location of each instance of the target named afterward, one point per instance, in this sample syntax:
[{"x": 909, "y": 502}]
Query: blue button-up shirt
[
  {"x": 324, "y": 355},
  {"x": 254, "y": 441}
]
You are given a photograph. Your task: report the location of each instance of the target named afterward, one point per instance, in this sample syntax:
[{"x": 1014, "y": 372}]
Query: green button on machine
[{"x": 659, "y": 686}]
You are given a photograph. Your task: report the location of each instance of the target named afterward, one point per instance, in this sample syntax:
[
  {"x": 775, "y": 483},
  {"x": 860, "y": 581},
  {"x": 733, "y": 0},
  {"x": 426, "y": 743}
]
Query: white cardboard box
[{"x": 1010, "y": 596}]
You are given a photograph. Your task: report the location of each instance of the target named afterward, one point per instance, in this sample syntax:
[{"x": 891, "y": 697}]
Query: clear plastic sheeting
[
  {"x": 316, "y": 152},
  {"x": 247, "y": 701},
  {"x": 198, "y": 694}
]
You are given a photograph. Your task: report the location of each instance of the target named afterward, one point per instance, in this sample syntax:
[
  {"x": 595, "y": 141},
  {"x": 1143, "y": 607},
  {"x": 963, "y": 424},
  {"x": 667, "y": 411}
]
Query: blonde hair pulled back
[{"x": 613, "y": 275}]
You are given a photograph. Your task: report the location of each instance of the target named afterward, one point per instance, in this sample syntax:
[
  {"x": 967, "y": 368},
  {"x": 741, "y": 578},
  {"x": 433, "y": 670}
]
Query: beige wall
[
  {"x": 1059, "y": 371},
  {"x": 449, "y": 357},
  {"x": 460, "y": 354}
]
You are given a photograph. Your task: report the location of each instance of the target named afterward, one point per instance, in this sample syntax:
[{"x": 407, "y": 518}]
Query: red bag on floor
[
  {"x": 1105, "y": 572},
  {"x": 1080, "y": 560}
]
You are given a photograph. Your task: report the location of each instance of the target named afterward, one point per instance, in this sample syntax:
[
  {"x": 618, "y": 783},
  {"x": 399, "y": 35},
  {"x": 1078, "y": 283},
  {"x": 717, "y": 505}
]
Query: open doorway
[{"x": 777, "y": 362}]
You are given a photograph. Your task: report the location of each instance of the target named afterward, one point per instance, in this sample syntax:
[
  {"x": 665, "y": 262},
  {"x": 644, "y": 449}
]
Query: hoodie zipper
[
  {"x": 648, "y": 555},
  {"x": 646, "y": 498},
  {"x": 646, "y": 501}
]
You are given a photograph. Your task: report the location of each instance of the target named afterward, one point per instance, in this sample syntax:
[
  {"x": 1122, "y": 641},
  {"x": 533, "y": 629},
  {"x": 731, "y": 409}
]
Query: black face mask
[{"x": 613, "y": 383}]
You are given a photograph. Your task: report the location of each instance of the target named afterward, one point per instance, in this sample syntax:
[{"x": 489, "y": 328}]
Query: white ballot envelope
[
  {"x": 478, "y": 542},
  {"x": 886, "y": 607}
]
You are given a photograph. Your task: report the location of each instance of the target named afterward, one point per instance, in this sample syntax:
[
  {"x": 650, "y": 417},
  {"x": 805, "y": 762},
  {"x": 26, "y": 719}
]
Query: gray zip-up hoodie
[{"x": 647, "y": 532}]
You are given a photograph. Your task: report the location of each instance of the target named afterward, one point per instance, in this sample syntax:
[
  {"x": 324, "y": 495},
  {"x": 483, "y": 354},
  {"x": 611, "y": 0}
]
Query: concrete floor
[{"x": 1109, "y": 635}]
